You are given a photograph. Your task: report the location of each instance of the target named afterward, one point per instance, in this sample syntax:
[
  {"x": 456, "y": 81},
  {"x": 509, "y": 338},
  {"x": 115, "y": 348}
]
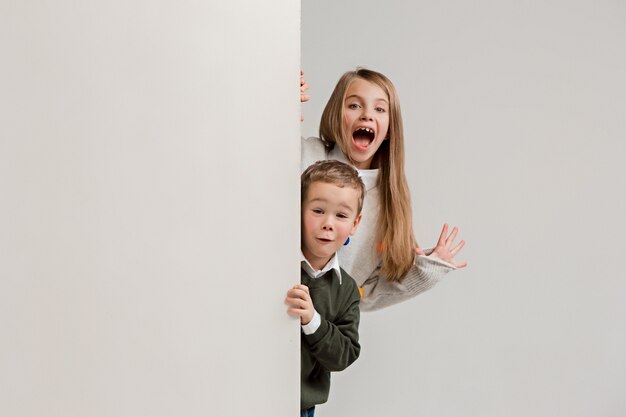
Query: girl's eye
[
  {"x": 353, "y": 106},
  {"x": 380, "y": 109}
]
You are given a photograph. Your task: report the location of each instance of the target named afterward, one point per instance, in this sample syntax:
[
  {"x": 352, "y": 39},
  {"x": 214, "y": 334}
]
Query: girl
[{"x": 362, "y": 125}]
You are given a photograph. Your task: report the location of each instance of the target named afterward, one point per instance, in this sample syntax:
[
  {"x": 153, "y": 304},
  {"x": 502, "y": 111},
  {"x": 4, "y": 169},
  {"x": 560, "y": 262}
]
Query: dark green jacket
[{"x": 335, "y": 344}]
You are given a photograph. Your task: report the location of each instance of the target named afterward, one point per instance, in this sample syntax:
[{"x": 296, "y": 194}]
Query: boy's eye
[
  {"x": 317, "y": 211},
  {"x": 342, "y": 216}
]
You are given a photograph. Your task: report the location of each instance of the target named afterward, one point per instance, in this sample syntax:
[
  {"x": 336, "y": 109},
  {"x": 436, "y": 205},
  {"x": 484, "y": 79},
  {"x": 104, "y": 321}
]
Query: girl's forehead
[{"x": 364, "y": 88}]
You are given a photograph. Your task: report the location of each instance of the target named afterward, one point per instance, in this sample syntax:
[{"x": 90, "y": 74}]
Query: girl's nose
[{"x": 365, "y": 115}]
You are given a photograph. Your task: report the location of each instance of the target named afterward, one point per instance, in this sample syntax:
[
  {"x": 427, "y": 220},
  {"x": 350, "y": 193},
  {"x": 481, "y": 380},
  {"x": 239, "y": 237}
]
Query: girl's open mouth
[{"x": 363, "y": 137}]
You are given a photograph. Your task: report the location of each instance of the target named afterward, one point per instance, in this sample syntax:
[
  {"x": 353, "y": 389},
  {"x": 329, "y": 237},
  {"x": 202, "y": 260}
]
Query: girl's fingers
[
  {"x": 452, "y": 236},
  {"x": 303, "y": 87},
  {"x": 461, "y": 265},
  {"x": 442, "y": 236},
  {"x": 419, "y": 251},
  {"x": 457, "y": 248}
]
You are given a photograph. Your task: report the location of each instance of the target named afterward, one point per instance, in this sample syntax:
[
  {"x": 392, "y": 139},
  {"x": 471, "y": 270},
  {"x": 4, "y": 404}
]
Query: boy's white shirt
[{"x": 316, "y": 321}]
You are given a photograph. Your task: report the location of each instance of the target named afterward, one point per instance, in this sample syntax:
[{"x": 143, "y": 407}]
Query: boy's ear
[{"x": 356, "y": 224}]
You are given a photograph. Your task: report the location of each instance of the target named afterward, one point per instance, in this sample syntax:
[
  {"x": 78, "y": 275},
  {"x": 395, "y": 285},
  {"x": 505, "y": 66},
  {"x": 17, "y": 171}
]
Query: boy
[{"x": 327, "y": 301}]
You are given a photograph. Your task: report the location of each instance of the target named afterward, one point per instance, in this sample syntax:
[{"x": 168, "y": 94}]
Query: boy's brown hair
[{"x": 332, "y": 172}]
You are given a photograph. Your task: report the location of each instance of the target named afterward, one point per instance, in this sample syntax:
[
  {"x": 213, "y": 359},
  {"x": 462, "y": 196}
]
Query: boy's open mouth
[{"x": 363, "y": 137}]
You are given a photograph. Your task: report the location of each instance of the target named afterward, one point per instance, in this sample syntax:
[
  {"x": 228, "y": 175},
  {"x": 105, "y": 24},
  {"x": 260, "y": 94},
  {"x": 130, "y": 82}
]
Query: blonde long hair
[{"x": 395, "y": 227}]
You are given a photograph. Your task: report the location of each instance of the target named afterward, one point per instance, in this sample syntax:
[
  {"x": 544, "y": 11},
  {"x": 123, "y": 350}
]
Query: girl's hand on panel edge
[
  {"x": 445, "y": 249},
  {"x": 303, "y": 87}
]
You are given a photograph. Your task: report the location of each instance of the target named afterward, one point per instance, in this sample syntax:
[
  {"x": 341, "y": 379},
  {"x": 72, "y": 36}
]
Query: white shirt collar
[{"x": 332, "y": 264}]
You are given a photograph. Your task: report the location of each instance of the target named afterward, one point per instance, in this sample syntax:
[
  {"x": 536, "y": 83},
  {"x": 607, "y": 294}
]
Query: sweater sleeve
[
  {"x": 336, "y": 345},
  {"x": 426, "y": 271}
]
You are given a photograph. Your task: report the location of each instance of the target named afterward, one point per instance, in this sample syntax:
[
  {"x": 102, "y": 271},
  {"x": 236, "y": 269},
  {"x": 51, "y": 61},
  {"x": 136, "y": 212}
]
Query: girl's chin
[{"x": 361, "y": 162}]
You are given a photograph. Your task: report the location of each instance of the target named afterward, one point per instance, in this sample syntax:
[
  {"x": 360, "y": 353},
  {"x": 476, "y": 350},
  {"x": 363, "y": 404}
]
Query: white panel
[{"x": 149, "y": 172}]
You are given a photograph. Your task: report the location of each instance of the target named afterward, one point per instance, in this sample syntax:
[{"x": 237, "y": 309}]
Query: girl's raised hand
[{"x": 445, "y": 249}]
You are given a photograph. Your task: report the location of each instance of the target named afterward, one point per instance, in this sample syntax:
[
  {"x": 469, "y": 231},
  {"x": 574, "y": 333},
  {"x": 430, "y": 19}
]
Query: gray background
[
  {"x": 515, "y": 123},
  {"x": 149, "y": 180}
]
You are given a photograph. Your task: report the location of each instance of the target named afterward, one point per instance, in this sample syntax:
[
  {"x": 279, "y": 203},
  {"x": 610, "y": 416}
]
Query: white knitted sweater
[{"x": 360, "y": 258}]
